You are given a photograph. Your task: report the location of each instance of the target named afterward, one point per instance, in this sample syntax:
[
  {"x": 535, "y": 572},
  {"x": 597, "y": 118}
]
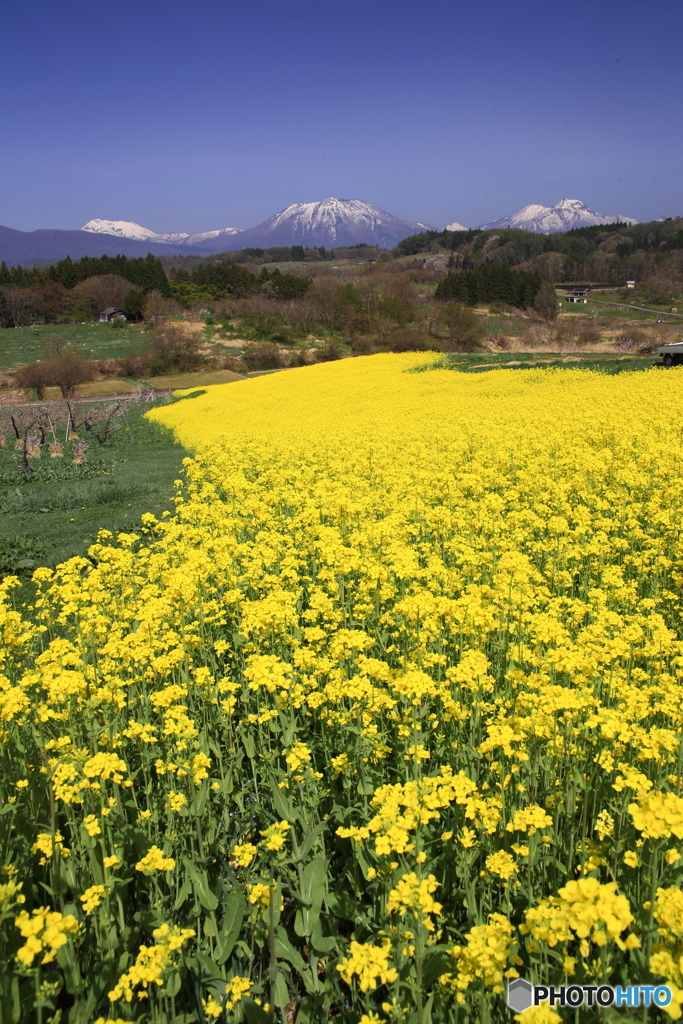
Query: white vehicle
[{"x": 672, "y": 354}]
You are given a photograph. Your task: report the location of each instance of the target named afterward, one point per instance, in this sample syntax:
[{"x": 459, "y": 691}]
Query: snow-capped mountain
[
  {"x": 204, "y": 236},
  {"x": 330, "y": 222},
  {"x": 129, "y": 229},
  {"x": 563, "y": 216},
  {"x": 455, "y": 227}
]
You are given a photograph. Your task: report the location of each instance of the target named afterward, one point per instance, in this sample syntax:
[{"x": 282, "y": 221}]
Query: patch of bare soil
[{"x": 229, "y": 342}]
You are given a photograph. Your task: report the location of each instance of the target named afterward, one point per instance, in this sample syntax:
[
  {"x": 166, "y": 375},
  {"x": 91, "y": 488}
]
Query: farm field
[
  {"x": 180, "y": 381},
  {"x": 56, "y": 512},
  {"x": 96, "y": 389},
  {"x": 480, "y": 362},
  {"x": 19, "y": 345},
  {"x": 386, "y": 714}
]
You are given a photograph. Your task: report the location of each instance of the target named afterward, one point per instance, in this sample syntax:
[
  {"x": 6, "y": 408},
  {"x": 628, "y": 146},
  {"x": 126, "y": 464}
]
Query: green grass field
[
  {"x": 19, "y": 345},
  {"x": 56, "y": 512},
  {"x": 481, "y": 362},
  {"x": 176, "y": 382},
  {"x": 96, "y": 389}
]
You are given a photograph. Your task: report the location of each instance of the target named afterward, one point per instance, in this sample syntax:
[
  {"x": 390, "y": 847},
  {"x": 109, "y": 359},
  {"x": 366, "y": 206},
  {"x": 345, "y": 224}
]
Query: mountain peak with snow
[
  {"x": 331, "y": 223},
  {"x": 563, "y": 216},
  {"x": 129, "y": 229}
]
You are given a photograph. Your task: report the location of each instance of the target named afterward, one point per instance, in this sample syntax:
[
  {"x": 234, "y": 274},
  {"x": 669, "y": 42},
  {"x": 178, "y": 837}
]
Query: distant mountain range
[
  {"x": 331, "y": 223},
  {"x": 128, "y": 229},
  {"x": 563, "y": 216}
]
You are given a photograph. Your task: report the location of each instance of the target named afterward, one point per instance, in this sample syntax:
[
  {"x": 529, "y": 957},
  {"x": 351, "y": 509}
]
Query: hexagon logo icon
[{"x": 520, "y": 995}]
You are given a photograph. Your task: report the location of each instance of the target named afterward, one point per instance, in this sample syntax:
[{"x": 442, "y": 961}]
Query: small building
[
  {"x": 630, "y": 284},
  {"x": 577, "y": 295},
  {"x": 112, "y": 313}
]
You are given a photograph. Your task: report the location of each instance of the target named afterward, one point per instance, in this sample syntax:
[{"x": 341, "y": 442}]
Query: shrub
[
  {"x": 631, "y": 340},
  {"x": 67, "y": 370},
  {"x": 174, "y": 347},
  {"x": 35, "y": 376},
  {"x": 363, "y": 345},
  {"x": 462, "y": 326},
  {"x": 588, "y": 336},
  {"x": 263, "y": 356},
  {"x": 405, "y": 340},
  {"x": 330, "y": 351}
]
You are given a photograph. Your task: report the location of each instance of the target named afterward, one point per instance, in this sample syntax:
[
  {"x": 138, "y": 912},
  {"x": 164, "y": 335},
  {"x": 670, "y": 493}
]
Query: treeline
[
  {"x": 283, "y": 254},
  {"x": 217, "y": 281},
  {"x": 608, "y": 253},
  {"x": 145, "y": 273},
  {"x": 490, "y": 282},
  {"x": 71, "y": 291}
]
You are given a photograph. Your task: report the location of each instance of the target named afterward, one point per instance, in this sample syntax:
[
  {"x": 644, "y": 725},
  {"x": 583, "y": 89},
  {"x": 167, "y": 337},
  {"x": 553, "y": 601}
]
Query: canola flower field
[{"x": 388, "y": 713}]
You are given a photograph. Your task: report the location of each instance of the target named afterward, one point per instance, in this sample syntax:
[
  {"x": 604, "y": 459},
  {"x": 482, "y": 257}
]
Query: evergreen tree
[{"x": 133, "y": 304}]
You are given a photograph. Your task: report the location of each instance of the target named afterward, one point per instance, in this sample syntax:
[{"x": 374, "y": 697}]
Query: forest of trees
[
  {"x": 217, "y": 281},
  {"x": 69, "y": 291},
  {"x": 608, "y": 254},
  {"x": 490, "y": 282},
  {"x": 144, "y": 273}
]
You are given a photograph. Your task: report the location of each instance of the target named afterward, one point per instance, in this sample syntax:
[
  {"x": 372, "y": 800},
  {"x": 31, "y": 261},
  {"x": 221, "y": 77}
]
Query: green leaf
[
  {"x": 232, "y": 926},
  {"x": 284, "y": 950},
  {"x": 173, "y": 984},
  {"x": 16, "y": 1000},
  {"x": 209, "y": 970},
  {"x": 319, "y": 942},
  {"x": 185, "y": 890},
  {"x": 426, "y": 1013},
  {"x": 342, "y": 905},
  {"x": 253, "y": 1014},
  {"x": 435, "y": 965},
  {"x": 281, "y": 991},
  {"x": 200, "y": 885},
  {"x": 310, "y": 839},
  {"x": 311, "y": 895},
  {"x": 283, "y": 807}
]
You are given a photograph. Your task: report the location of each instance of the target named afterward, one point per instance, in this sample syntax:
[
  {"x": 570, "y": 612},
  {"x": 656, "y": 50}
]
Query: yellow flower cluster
[
  {"x": 275, "y": 836},
  {"x": 151, "y": 963},
  {"x": 487, "y": 955},
  {"x": 369, "y": 963},
  {"x": 658, "y": 815},
  {"x": 45, "y": 932},
  {"x": 586, "y": 910},
  {"x": 413, "y": 894},
  {"x": 154, "y": 860}
]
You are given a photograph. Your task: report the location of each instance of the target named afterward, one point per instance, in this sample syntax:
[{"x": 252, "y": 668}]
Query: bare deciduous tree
[
  {"x": 67, "y": 370},
  {"x": 35, "y": 376},
  {"x": 102, "y": 291}
]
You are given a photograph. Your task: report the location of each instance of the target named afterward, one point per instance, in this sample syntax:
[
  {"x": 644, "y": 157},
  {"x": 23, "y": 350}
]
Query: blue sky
[{"x": 188, "y": 117}]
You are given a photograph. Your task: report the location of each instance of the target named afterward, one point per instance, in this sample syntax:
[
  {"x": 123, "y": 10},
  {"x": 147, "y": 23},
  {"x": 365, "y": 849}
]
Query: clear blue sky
[{"x": 193, "y": 116}]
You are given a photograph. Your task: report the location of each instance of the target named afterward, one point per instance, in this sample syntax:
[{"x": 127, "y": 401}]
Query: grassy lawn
[
  {"x": 19, "y": 345},
  {"x": 481, "y": 362},
  {"x": 56, "y": 512},
  {"x": 178, "y": 381},
  {"x": 96, "y": 389}
]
